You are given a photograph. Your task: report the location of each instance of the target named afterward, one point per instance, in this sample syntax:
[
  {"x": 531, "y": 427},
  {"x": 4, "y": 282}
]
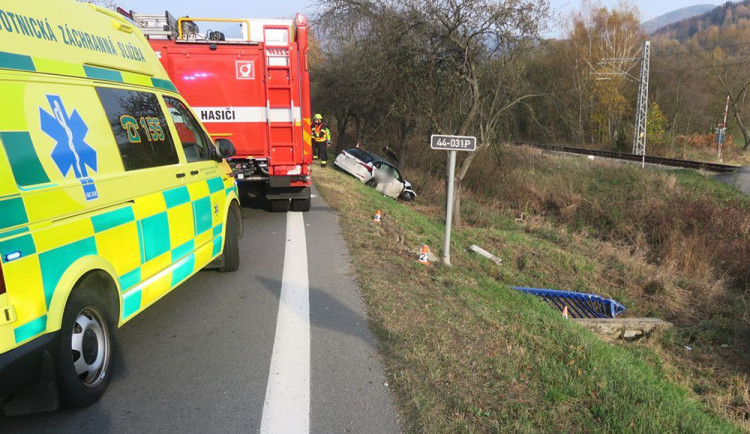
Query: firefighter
[{"x": 321, "y": 137}]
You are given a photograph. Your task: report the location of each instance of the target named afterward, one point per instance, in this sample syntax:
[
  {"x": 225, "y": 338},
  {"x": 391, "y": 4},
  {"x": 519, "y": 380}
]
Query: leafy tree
[
  {"x": 656, "y": 124},
  {"x": 604, "y": 43}
]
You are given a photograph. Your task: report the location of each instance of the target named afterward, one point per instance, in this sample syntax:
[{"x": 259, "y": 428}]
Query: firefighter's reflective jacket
[{"x": 321, "y": 133}]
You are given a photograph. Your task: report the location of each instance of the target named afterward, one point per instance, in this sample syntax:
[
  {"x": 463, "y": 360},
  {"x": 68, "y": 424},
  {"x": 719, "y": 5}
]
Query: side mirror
[{"x": 226, "y": 148}]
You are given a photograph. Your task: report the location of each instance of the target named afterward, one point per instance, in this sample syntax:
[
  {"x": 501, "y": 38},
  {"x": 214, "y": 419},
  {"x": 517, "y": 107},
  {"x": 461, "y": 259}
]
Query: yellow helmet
[{"x": 318, "y": 117}]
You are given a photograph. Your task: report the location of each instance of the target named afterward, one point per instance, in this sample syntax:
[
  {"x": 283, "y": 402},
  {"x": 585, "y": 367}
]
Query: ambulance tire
[
  {"x": 280, "y": 205},
  {"x": 231, "y": 253},
  {"x": 84, "y": 364}
]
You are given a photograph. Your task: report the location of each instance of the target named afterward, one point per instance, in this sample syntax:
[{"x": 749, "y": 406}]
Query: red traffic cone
[
  {"x": 423, "y": 256},
  {"x": 565, "y": 312}
]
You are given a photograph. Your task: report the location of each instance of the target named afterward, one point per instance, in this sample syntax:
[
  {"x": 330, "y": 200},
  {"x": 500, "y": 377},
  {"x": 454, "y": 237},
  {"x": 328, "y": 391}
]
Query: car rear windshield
[{"x": 360, "y": 154}]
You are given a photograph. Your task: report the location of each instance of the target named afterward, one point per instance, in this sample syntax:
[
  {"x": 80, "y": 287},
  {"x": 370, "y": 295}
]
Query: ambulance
[
  {"x": 111, "y": 195},
  {"x": 248, "y": 80}
]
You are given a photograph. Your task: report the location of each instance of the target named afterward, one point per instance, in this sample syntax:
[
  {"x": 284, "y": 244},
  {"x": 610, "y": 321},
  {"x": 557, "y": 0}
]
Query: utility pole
[{"x": 641, "y": 113}]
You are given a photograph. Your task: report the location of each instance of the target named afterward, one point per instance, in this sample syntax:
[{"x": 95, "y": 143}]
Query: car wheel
[
  {"x": 231, "y": 253},
  {"x": 84, "y": 353},
  {"x": 370, "y": 182},
  {"x": 280, "y": 205},
  {"x": 407, "y": 196}
]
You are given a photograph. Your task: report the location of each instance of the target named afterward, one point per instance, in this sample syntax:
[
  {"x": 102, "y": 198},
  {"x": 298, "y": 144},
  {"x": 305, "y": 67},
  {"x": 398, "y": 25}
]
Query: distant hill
[
  {"x": 652, "y": 26},
  {"x": 728, "y": 15}
]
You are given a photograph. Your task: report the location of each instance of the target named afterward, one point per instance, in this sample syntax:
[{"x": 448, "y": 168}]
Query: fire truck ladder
[{"x": 280, "y": 110}]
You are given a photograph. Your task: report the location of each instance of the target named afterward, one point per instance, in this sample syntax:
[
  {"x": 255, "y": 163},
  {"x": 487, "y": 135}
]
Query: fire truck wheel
[
  {"x": 231, "y": 251},
  {"x": 301, "y": 205},
  {"x": 280, "y": 205},
  {"x": 84, "y": 352}
]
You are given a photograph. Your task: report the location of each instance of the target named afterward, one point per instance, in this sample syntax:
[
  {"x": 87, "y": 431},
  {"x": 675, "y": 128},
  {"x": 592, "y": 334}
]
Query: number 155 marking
[{"x": 151, "y": 127}]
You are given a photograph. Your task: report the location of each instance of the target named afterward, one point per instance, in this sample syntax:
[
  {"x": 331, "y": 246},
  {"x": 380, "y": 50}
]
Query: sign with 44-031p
[{"x": 453, "y": 143}]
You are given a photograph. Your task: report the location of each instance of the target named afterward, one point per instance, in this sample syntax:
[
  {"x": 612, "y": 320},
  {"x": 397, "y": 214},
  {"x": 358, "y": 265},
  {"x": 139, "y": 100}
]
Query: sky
[{"x": 287, "y": 8}]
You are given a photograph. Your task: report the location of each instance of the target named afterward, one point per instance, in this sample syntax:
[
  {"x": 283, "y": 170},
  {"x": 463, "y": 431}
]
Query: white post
[{"x": 449, "y": 208}]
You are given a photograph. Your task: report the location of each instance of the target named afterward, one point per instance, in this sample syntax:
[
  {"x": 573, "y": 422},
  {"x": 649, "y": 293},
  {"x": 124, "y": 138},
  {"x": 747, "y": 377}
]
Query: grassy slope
[{"x": 465, "y": 353}]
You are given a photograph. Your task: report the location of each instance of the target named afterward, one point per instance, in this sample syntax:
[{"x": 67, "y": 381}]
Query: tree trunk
[
  {"x": 342, "y": 122},
  {"x": 403, "y": 149},
  {"x": 743, "y": 129},
  {"x": 458, "y": 184}
]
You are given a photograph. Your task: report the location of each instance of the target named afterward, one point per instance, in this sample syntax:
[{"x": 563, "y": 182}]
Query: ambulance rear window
[{"x": 140, "y": 129}]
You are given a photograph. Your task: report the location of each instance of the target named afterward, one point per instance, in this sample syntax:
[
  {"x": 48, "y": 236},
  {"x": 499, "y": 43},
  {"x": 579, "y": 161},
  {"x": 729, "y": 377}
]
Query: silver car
[{"x": 375, "y": 172}]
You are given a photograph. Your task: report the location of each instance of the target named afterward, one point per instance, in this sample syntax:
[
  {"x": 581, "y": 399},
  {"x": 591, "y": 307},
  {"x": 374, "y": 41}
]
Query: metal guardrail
[
  {"x": 687, "y": 164},
  {"x": 579, "y": 304}
]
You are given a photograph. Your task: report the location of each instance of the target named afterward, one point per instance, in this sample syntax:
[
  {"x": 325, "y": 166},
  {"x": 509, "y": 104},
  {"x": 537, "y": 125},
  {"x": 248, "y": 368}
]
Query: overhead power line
[
  {"x": 702, "y": 50},
  {"x": 697, "y": 68}
]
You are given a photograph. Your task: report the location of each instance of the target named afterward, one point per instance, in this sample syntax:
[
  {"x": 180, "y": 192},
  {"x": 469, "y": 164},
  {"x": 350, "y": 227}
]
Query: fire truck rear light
[{"x": 296, "y": 171}]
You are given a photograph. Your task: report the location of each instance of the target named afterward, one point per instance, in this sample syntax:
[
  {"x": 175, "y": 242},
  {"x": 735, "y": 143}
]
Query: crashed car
[{"x": 375, "y": 172}]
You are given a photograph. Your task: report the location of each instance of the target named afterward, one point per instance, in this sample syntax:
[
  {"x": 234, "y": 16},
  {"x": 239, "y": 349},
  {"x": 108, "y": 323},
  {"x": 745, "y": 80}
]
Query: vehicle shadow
[{"x": 326, "y": 311}]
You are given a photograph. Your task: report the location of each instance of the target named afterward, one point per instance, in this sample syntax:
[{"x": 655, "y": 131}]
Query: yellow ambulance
[{"x": 111, "y": 194}]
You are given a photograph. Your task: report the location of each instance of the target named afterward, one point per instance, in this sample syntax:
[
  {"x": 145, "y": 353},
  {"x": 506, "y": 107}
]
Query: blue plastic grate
[{"x": 580, "y": 304}]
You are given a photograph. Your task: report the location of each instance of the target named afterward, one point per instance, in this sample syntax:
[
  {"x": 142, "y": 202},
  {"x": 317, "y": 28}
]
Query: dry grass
[
  {"x": 665, "y": 244},
  {"x": 464, "y": 354}
]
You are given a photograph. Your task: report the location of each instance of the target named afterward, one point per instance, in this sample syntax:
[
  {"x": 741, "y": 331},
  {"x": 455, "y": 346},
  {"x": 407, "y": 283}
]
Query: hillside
[
  {"x": 657, "y": 23},
  {"x": 722, "y": 16},
  {"x": 464, "y": 353}
]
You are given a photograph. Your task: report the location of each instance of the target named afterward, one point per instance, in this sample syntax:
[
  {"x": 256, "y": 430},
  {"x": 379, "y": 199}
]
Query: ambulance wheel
[
  {"x": 84, "y": 354},
  {"x": 231, "y": 251},
  {"x": 280, "y": 205}
]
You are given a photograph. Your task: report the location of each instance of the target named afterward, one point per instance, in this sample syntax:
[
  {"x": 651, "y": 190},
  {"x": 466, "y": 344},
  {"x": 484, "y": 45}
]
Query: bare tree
[
  {"x": 432, "y": 61},
  {"x": 731, "y": 72}
]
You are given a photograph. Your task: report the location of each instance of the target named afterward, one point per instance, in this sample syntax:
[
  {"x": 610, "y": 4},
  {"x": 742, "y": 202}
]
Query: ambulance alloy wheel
[
  {"x": 231, "y": 251},
  {"x": 84, "y": 353}
]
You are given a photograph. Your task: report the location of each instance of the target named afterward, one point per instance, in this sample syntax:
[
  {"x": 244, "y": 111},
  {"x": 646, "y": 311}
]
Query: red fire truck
[{"x": 248, "y": 82}]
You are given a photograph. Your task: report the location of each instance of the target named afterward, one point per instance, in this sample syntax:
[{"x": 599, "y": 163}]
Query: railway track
[{"x": 687, "y": 164}]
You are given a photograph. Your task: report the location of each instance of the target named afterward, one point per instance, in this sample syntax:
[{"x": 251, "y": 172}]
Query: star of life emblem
[{"x": 71, "y": 153}]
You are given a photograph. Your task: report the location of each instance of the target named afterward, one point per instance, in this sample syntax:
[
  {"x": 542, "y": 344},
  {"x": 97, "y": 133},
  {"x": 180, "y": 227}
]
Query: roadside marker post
[{"x": 451, "y": 144}]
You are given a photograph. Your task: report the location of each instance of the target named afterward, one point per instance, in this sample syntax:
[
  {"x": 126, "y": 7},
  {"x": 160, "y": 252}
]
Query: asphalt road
[
  {"x": 198, "y": 360},
  {"x": 739, "y": 179}
]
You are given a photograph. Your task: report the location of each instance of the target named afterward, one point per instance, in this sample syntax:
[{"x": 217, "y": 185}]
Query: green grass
[{"x": 464, "y": 353}]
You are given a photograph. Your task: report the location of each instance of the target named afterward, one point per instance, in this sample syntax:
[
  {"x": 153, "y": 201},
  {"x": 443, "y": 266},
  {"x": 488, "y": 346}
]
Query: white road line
[{"x": 287, "y": 405}]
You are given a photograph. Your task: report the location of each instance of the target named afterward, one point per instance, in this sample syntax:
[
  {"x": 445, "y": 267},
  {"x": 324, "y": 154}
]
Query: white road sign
[{"x": 453, "y": 143}]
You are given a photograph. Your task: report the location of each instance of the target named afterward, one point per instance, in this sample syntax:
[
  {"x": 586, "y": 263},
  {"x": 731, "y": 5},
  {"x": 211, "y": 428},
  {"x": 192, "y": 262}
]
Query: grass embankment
[{"x": 465, "y": 353}]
